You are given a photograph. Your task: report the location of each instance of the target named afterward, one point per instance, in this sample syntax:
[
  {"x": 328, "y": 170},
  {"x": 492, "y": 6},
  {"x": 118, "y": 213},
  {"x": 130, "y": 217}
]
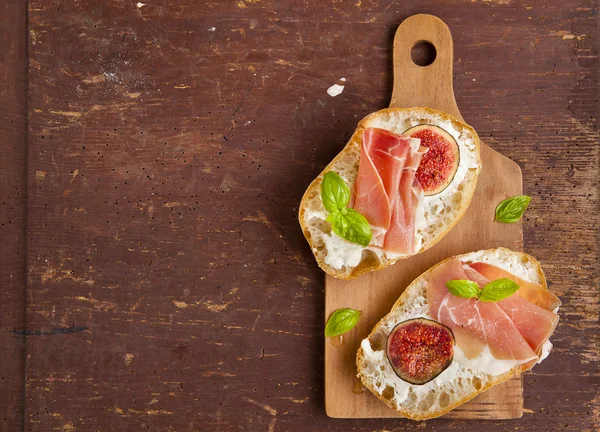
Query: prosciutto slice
[
  {"x": 382, "y": 158},
  {"x": 530, "y": 291},
  {"x": 386, "y": 192},
  {"x": 535, "y": 323},
  {"x": 400, "y": 237},
  {"x": 371, "y": 199},
  {"x": 476, "y": 324}
]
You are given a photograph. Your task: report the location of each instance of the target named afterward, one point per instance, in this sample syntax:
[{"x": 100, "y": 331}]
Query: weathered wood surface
[
  {"x": 13, "y": 192},
  {"x": 169, "y": 285}
]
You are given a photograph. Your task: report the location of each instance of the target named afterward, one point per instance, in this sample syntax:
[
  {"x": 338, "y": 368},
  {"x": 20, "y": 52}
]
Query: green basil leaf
[
  {"x": 463, "y": 288},
  {"x": 341, "y": 321},
  {"x": 335, "y": 193},
  {"x": 498, "y": 290},
  {"x": 511, "y": 209},
  {"x": 351, "y": 225}
]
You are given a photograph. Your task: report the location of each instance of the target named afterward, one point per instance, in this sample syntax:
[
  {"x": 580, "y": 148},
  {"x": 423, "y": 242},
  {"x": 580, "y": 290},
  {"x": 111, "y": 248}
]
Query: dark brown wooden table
[{"x": 152, "y": 270}]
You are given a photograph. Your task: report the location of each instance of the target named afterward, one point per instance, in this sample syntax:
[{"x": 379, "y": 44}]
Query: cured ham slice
[
  {"x": 475, "y": 276},
  {"x": 535, "y": 323},
  {"x": 401, "y": 237},
  {"x": 388, "y": 152},
  {"x": 382, "y": 159},
  {"x": 530, "y": 291},
  {"x": 477, "y": 324},
  {"x": 371, "y": 199},
  {"x": 386, "y": 192}
]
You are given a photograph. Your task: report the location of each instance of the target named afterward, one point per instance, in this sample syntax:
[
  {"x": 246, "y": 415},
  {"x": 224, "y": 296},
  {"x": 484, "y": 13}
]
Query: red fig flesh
[
  {"x": 438, "y": 166},
  {"x": 420, "y": 349}
]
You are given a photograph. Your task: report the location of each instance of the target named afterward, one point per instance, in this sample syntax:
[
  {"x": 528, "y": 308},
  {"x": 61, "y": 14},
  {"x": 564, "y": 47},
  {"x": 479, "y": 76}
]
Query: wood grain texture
[
  {"x": 169, "y": 286},
  {"x": 424, "y": 86},
  {"x": 374, "y": 294},
  {"x": 13, "y": 193}
]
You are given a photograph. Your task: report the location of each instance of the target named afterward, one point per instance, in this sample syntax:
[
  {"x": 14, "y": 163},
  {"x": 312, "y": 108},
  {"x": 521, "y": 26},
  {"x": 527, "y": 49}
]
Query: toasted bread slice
[
  {"x": 345, "y": 260},
  {"x": 458, "y": 384}
]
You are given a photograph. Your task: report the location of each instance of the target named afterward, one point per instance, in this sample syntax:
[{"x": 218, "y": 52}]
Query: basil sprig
[
  {"x": 511, "y": 209},
  {"x": 341, "y": 321},
  {"x": 334, "y": 192},
  {"x": 494, "y": 291},
  {"x": 345, "y": 222},
  {"x": 463, "y": 288},
  {"x": 498, "y": 290}
]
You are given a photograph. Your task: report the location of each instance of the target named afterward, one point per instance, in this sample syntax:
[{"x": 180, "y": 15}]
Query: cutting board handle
[{"x": 424, "y": 86}]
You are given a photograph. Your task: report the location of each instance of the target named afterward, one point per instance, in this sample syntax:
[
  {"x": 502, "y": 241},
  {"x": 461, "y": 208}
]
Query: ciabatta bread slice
[
  {"x": 346, "y": 260},
  {"x": 457, "y": 384}
]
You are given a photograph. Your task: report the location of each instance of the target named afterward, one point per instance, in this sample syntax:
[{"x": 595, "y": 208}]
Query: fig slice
[
  {"x": 420, "y": 349},
  {"x": 438, "y": 166}
]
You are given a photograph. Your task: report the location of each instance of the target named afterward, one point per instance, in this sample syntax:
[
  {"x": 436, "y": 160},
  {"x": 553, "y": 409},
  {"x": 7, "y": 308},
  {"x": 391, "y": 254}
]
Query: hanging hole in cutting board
[{"x": 423, "y": 53}]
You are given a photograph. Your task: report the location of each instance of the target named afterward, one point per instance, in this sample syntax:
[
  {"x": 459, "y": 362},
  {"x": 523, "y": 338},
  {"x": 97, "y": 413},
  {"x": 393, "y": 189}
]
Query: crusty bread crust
[
  {"x": 517, "y": 370},
  {"x": 369, "y": 261}
]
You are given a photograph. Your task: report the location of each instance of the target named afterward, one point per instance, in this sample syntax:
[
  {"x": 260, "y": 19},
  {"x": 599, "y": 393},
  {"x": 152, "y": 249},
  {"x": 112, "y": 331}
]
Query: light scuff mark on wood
[
  {"x": 566, "y": 35},
  {"x": 73, "y": 114},
  {"x": 216, "y": 307},
  {"x": 266, "y": 407},
  {"x": 260, "y": 217},
  {"x": 208, "y": 374},
  {"x": 75, "y": 172},
  {"x": 102, "y": 305},
  {"x": 149, "y": 412},
  {"x": 227, "y": 183},
  {"x": 52, "y": 275},
  {"x": 496, "y": 2},
  {"x": 180, "y": 304},
  {"x": 128, "y": 411},
  {"x": 296, "y": 400},
  {"x": 94, "y": 79},
  {"x": 207, "y": 304}
]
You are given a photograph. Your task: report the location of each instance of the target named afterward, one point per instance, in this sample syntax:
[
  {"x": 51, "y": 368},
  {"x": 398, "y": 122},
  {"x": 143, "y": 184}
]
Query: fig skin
[
  {"x": 439, "y": 165},
  {"x": 420, "y": 349}
]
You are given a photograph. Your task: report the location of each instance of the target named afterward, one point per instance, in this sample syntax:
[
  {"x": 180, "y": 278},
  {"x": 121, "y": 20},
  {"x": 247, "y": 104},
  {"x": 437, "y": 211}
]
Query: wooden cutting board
[{"x": 375, "y": 293}]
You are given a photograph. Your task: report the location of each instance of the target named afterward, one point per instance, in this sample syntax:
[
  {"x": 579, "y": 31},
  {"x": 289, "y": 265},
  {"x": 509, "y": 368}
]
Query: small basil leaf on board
[
  {"x": 511, "y": 209},
  {"x": 335, "y": 193},
  {"x": 463, "y": 288},
  {"x": 498, "y": 290},
  {"x": 352, "y": 226},
  {"x": 341, "y": 321}
]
